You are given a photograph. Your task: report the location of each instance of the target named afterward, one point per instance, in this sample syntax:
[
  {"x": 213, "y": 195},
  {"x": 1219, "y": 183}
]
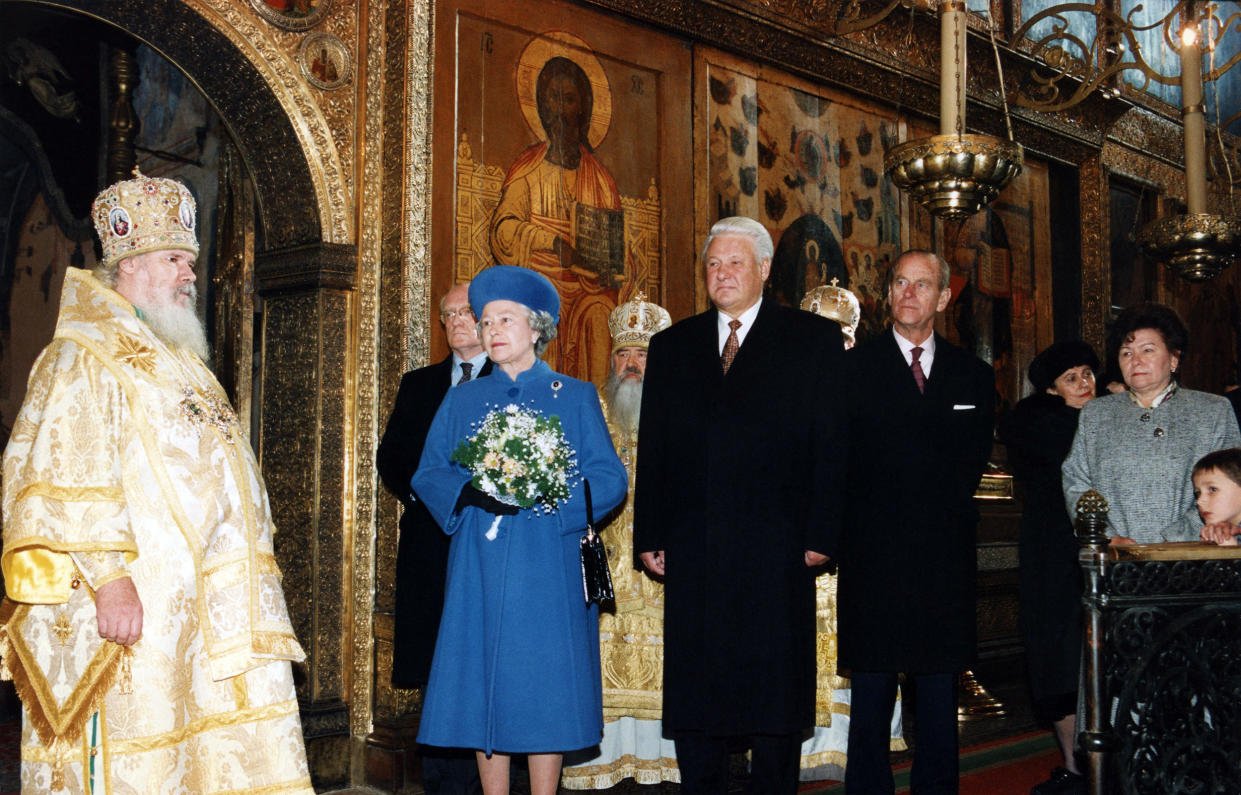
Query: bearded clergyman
[
  {"x": 144, "y": 627},
  {"x": 631, "y": 634}
]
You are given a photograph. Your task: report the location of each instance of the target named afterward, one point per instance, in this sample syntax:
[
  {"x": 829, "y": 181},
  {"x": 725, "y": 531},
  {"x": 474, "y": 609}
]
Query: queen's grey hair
[
  {"x": 540, "y": 321},
  {"x": 746, "y": 227}
]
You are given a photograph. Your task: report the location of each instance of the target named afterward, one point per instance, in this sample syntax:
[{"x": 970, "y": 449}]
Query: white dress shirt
[
  {"x": 928, "y": 351},
  {"x": 457, "y": 372}
]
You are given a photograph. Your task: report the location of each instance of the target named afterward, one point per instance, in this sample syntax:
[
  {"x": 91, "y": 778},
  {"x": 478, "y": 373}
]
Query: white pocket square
[{"x": 963, "y": 406}]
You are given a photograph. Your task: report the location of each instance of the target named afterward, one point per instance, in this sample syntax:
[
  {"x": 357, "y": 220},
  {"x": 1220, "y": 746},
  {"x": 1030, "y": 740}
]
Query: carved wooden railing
[{"x": 1162, "y": 663}]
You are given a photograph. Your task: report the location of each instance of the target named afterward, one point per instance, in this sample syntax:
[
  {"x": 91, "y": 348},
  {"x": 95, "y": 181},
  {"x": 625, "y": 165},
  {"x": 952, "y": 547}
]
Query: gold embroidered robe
[
  {"x": 631, "y": 653},
  {"x": 126, "y": 458}
]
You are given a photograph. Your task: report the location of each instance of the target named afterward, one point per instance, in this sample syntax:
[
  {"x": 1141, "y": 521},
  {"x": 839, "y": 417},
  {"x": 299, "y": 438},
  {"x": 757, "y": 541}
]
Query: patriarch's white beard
[
  {"x": 178, "y": 325},
  {"x": 624, "y": 402}
]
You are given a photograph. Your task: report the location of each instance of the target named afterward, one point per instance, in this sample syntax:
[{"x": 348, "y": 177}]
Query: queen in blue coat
[{"x": 516, "y": 665}]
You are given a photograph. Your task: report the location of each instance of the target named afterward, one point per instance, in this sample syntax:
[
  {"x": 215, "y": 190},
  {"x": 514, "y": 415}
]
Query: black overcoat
[
  {"x": 737, "y": 476},
  {"x": 1039, "y": 433},
  {"x": 422, "y": 548},
  {"x": 906, "y": 597}
]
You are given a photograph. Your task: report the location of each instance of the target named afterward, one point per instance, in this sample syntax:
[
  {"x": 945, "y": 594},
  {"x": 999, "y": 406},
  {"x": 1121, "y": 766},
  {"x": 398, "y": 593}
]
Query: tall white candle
[{"x": 951, "y": 67}]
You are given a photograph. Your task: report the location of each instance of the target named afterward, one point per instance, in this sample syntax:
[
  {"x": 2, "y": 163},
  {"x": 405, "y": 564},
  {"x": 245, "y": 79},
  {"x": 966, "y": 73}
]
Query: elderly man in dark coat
[
  {"x": 920, "y": 419},
  {"x": 422, "y": 549},
  {"x": 734, "y": 506}
]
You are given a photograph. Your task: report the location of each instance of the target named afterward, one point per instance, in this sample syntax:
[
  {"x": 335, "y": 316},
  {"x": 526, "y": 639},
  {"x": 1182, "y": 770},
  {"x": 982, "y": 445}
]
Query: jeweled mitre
[
  {"x": 835, "y": 303},
  {"x": 144, "y": 214},
  {"x": 634, "y": 322}
]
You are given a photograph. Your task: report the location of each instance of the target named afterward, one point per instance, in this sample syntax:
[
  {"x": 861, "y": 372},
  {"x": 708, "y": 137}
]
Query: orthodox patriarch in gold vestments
[
  {"x": 631, "y": 635},
  {"x": 126, "y": 461},
  {"x": 823, "y": 755}
]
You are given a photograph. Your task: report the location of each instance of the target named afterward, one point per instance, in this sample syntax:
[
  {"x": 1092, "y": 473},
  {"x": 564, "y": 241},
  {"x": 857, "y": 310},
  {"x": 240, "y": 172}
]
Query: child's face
[{"x": 1219, "y": 498}]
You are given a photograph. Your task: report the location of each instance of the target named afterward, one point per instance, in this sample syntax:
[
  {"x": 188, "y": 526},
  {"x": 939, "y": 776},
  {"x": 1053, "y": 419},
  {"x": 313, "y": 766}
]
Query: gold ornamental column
[{"x": 305, "y": 402}]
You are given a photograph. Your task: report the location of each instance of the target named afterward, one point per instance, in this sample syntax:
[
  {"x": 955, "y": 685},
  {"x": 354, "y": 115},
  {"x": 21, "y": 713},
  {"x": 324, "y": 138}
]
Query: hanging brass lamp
[
  {"x": 953, "y": 174},
  {"x": 1197, "y": 245}
]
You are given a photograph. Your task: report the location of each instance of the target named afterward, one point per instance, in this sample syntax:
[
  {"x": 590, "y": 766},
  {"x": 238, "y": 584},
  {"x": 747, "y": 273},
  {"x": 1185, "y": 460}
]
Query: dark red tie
[
  {"x": 915, "y": 367},
  {"x": 730, "y": 345}
]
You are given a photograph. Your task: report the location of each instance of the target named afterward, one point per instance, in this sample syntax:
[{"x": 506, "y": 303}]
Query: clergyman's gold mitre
[
  {"x": 634, "y": 322},
  {"x": 144, "y": 214},
  {"x": 835, "y": 303}
]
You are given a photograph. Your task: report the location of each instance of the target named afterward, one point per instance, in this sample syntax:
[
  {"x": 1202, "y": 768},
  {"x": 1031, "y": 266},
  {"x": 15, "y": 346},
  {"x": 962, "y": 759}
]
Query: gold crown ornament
[
  {"x": 144, "y": 214},
  {"x": 634, "y": 322},
  {"x": 835, "y": 303}
]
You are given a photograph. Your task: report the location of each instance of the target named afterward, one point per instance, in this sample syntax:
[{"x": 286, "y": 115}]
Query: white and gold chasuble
[{"x": 127, "y": 458}]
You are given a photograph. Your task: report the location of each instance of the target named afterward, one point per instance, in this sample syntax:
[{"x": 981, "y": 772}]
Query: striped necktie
[{"x": 916, "y": 367}]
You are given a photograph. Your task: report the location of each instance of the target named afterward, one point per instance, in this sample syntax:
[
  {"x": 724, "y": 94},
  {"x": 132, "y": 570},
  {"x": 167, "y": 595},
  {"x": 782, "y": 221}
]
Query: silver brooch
[{"x": 556, "y": 385}]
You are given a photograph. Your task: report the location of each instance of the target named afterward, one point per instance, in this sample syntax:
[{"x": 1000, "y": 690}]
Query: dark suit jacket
[
  {"x": 737, "y": 476},
  {"x": 422, "y": 550},
  {"x": 907, "y": 559}
]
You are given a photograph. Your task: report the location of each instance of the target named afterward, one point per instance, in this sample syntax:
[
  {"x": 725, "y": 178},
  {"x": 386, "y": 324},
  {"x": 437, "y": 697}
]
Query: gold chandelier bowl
[
  {"x": 1196, "y": 246},
  {"x": 953, "y": 176}
]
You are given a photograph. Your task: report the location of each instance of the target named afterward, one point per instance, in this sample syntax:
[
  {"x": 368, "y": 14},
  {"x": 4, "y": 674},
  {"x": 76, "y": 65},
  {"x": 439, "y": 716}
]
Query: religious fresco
[
  {"x": 1001, "y": 280},
  {"x": 808, "y": 164},
  {"x": 558, "y": 169}
]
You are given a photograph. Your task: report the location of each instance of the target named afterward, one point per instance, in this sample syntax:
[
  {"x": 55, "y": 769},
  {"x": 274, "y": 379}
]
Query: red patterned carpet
[{"x": 1001, "y": 767}]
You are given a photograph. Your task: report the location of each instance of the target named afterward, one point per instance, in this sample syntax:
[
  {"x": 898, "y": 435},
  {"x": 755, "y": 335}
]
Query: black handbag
[{"x": 596, "y": 579}]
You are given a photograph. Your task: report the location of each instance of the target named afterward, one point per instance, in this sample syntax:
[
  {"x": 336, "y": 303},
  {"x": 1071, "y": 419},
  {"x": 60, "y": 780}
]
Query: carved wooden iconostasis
[{"x": 570, "y": 155}]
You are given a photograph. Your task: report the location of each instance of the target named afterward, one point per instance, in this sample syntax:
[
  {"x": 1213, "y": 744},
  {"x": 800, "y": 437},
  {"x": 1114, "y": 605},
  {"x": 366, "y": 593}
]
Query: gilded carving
[
  {"x": 1141, "y": 166},
  {"x": 274, "y": 63},
  {"x": 362, "y": 586},
  {"x": 1157, "y": 137},
  {"x": 333, "y": 324},
  {"x": 416, "y": 254},
  {"x": 288, "y": 377},
  {"x": 1096, "y": 286},
  {"x": 315, "y": 11}
]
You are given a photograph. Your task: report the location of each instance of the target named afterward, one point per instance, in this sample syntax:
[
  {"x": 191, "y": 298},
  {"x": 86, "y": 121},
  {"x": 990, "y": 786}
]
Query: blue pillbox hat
[{"x": 513, "y": 283}]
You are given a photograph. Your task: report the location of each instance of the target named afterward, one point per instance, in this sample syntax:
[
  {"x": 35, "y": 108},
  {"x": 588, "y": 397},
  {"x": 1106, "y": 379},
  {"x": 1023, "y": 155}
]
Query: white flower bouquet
[{"x": 519, "y": 457}]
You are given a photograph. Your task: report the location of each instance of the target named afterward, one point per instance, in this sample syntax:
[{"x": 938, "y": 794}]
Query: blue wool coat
[{"x": 516, "y": 665}]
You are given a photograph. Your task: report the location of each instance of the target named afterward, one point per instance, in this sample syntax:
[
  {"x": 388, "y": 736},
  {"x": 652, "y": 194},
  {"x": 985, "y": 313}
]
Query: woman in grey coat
[{"x": 1138, "y": 447}]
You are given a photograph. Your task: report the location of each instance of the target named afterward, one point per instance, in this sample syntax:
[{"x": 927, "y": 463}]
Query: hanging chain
[
  {"x": 999, "y": 71},
  {"x": 957, "y": 35},
  {"x": 1209, "y": 37}
]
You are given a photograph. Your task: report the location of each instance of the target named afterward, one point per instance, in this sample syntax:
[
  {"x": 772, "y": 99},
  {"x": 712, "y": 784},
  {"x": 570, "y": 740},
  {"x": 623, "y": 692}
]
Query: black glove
[{"x": 472, "y": 496}]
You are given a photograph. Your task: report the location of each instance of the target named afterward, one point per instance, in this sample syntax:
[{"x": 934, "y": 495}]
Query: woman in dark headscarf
[{"x": 1039, "y": 433}]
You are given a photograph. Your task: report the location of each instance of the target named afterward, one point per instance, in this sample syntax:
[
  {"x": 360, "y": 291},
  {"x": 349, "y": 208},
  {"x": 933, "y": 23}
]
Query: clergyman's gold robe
[
  {"x": 631, "y": 652},
  {"x": 126, "y": 458}
]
